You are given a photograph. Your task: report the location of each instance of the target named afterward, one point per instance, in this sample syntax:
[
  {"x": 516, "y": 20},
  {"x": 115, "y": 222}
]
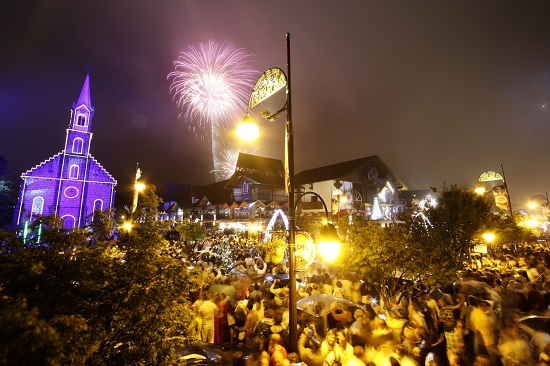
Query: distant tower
[{"x": 71, "y": 184}]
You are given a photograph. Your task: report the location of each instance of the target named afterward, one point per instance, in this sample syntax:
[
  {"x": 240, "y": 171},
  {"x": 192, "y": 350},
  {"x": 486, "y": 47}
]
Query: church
[{"x": 70, "y": 184}]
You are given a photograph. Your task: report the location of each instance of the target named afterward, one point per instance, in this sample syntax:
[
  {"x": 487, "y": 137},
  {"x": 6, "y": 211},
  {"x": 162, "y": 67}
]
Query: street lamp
[
  {"x": 328, "y": 241},
  {"x": 271, "y": 81},
  {"x": 138, "y": 187},
  {"x": 533, "y": 203}
]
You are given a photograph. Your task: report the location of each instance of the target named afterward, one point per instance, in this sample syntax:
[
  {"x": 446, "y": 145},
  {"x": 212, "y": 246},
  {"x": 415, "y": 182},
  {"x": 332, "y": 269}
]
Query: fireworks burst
[{"x": 211, "y": 84}]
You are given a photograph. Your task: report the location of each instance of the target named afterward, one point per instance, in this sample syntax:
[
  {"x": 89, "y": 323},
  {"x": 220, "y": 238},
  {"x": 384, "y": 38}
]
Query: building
[
  {"x": 365, "y": 187},
  {"x": 70, "y": 184}
]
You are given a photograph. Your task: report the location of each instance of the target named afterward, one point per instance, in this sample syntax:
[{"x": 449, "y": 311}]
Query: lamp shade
[
  {"x": 328, "y": 242},
  {"x": 248, "y": 130}
]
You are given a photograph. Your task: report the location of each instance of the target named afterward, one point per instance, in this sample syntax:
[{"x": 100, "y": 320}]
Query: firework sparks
[
  {"x": 226, "y": 163},
  {"x": 211, "y": 84}
]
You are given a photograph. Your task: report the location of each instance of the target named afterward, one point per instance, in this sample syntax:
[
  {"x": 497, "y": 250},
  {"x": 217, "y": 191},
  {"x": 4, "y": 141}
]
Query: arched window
[
  {"x": 73, "y": 171},
  {"x": 69, "y": 222},
  {"x": 81, "y": 120},
  {"x": 98, "y": 205},
  {"x": 78, "y": 143},
  {"x": 37, "y": 205}
]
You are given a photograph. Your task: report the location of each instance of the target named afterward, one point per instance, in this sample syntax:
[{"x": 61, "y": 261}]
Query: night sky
[{"x": 442, "y": 91}]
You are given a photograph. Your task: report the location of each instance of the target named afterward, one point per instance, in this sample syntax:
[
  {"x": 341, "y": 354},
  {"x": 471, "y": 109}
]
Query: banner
[{"x": 501, "y": 198}]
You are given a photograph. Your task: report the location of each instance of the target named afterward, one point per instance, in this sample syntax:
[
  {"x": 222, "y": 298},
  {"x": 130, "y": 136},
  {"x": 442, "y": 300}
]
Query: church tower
[{"x": 71, "y": 184}]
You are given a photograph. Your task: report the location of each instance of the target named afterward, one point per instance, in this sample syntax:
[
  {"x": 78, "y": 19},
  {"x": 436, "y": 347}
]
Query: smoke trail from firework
[{"x": 212, "y": 84}]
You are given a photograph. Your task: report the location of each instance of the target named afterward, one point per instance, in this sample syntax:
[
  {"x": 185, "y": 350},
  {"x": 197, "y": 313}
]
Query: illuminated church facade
[{"x": 70, "y": 184}]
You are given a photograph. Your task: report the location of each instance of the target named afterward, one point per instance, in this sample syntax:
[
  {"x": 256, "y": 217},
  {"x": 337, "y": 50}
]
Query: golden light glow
[
  {"x": 139, "y": 186},
  {"x": 329, "y": 250},
  {"x": 489, "y": 237},
  {"x": 127, "y": 225},
  {"x": 530, "y": 223},
  {"x": 343, "y": 199},
  {"x": 532, "y": 204},
  {"x": 247, "y": 130},
  {"x": 480, "y": 190},
  {"x": 328, "y": 242}
]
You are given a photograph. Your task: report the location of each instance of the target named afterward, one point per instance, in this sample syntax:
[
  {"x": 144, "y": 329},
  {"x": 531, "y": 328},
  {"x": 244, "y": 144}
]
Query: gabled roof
[
  {"x": 372, "y": 166},
  {"x": 216, "y": 193},
  {"x": 258, "y": 169},
  {"x": 51, "y": 169}
]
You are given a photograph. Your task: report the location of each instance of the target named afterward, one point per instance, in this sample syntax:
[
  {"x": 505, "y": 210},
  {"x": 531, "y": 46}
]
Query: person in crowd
[
  {"x": 309, "y": 347},
  {"x": 207, "y": 312},
  {"x": 338, "y": 291},
  {"x": 221, "y": 327},
  {"x": 277, "y": 352},
  {"x": 485, "y": 325},
  {"x": 340, "y": 312}
]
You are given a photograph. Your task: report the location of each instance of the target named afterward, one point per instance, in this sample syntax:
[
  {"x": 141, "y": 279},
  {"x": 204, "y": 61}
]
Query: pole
[
  {"x": 507, "y": 192},
  {"x": 292, "y": 311}
]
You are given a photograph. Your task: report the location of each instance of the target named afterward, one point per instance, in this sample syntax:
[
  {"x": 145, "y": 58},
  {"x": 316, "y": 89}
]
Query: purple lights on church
[{"x": 71, "y": 184}]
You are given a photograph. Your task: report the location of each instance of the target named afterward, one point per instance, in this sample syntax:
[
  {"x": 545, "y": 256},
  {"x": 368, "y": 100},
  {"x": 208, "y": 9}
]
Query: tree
[
  {"x": 385, "y": 256},
  {"x": 450, "y": 227},
  {"x": 7, "y": 195},
  {"x": 90, "y": 297}
]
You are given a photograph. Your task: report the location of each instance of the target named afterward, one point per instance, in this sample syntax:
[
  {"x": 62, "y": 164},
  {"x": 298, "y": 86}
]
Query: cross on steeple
[{"x": 89, "y": 68}]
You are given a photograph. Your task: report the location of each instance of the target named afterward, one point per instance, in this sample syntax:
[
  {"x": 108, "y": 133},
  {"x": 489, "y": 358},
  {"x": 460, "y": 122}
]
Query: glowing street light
[
  {"x": 328, "y": 241},
  {"x": 138, "y": 187},
  {"x": 271, "y": 81},
  {"x": 534, "y": 203},
  {"x": 489, "y": 237},
  {"x": 480, "y": 190}
]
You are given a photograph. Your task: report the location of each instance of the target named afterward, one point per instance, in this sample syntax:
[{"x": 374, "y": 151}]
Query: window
[
  {"x": 78, "y": 143},
  {"x": 69, "y": 222},
  {"x": 81, "y": 120},
  {"x": 37, "y": 206},
  {"x": 73, "y": 171},
  {"x": 98, "y": 205}
]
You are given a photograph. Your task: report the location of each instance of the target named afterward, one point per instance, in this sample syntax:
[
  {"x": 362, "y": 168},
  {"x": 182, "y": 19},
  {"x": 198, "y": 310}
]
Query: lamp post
[
  {"x": 268, "y": 84},
  {"x": 328, "y": 242},
  {"x": 138, "y": 187}
]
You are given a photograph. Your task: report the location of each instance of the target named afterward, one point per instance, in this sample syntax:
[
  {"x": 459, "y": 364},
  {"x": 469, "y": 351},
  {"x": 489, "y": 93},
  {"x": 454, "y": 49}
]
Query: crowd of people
[{"x": 473, "y": 322}]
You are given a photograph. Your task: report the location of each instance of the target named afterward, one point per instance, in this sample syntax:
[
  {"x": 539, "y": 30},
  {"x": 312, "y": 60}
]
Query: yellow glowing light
[
  {"x": 139, "y": 186},
  {"x": 329, "y": 250},
  {"x": 530, "y": 223},
  {"x": 328, "y": 243},
  {"x": 480, "y": 190},
  {"x": 127, "y": 226},
  {"x": 247, "y": 130},
  {"x": 343, "y": 199},
  {"x": 489, "y": 237},
  {"x": 532, "y": 204}
]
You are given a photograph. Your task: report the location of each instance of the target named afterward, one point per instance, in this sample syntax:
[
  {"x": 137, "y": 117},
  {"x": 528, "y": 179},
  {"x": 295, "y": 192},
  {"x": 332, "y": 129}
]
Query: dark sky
[{"x": 440, "y": 90}]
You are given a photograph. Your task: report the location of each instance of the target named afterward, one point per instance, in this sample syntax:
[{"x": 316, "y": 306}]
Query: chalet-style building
[
  {"x": 70, "y": 184},
  {"x": 256, "y": 189},
  {"x": 365, "y": 187}
]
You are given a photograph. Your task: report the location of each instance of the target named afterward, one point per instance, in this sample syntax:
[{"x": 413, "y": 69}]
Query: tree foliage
[
  {"x": 430, "y": 247},
  {"x": 94, "y": 296},
  {"x": 384, "y": 256}
]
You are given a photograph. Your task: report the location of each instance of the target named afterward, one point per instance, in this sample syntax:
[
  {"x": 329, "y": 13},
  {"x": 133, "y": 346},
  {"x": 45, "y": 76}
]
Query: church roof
[
  {"x": 85, "y": 98},
  {"x": 51, "y": 168}
]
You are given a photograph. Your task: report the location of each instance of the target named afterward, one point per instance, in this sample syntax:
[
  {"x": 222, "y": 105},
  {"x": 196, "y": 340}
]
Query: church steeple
[
  {"x": 84, "y": 98},
  {"x": 79, "y": 133},
  {"x": 82, "y": 110}
]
